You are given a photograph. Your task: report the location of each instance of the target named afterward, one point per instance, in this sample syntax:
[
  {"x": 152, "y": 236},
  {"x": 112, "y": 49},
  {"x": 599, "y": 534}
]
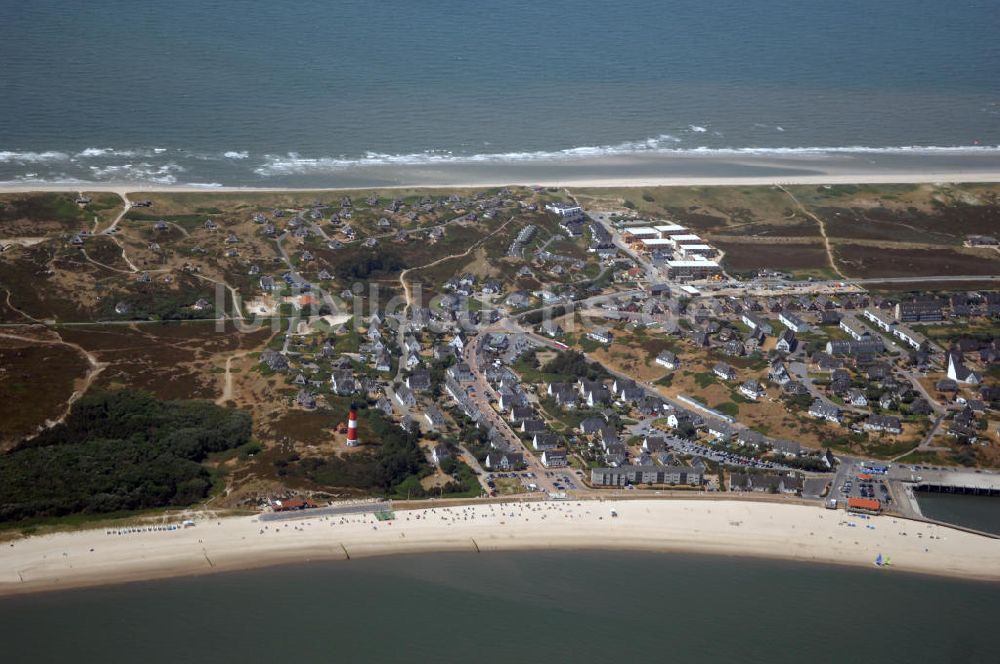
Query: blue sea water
[
  {"x": 542, "y": 606},
  {"x": 244, "y": 92}
]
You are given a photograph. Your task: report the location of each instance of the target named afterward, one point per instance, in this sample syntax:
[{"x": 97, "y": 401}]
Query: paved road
[
  {"x": 616, "y": 238},
  {"x": 484, "y": 393},
  {"x": 799, "y": 371}
]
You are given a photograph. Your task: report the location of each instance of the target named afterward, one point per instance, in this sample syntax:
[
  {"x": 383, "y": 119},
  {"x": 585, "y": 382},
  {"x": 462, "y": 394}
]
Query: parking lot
[
  {"x": 694, "y": 448},
  {"x": 861, "y": 484},
  {"x": 561, "y": 480}
]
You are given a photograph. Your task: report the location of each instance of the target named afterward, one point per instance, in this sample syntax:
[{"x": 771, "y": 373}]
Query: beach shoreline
[
  {"x": 725, "y": 528},
  {"x": 623, "y": 182}
]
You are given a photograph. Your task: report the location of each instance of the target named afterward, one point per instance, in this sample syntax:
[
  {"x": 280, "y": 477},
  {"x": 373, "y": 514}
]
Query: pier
[{"x": 947, "y": 481}]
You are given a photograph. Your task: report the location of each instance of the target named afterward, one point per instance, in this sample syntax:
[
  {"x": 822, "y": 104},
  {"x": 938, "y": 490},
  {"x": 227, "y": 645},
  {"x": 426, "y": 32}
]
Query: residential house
[
  {"x": 750, "y": 438},
  {"x": 439, "y": 453},
  {"x": 591, "y": 425},
  {"x": 274, "y": 360},
  {"x": 305, "y": 400},
  {"x": 753, "y": 390},
  {"x": 884, "y": 424},
  {"x": 384, "y": 405},
  {"x": 793, "y": 322},
  {"x": 503, "y": 461},
  {"x": 532, "y": 425},
  {"x": 405, "y": 397},
  {"x": 461, "y": 372},
  {"x": 719, "y": 430},
  {"x": 856, "y": 397},
  {"x": 383, "y": 361},
  {"x": 788, "y": 448},
  {"x": 765, "y": 483},
  {"x": 419, "y": 381},
  {"x": 435, "y": 418},
  {"x": 786, "y": 342},
  {"x": 825, "y": 410},
  {"x": 756, "y": 324},
  {"x": 520, "y": 413},
  {"x": 667, "y": 360},
  {"x": 594, "y": 392},
  {"x": 554, "y": 459},
  {"x": 724, "y": 371},
  {"x": 853, "y": 329},
  {"x": 601, "y": 335},
  {"x": 343, "y": 383},
  {"x": 544, "y": 440}
]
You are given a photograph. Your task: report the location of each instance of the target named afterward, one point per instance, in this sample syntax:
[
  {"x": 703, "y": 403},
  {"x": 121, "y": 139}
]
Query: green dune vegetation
[{"x": 118, "y": 451}]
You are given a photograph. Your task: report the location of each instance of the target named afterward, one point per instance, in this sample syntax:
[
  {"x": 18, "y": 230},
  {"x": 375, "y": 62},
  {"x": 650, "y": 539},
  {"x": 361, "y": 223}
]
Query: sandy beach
[
  {"x": 731, "y": 528},
  {"x": 831, "y": 178}
]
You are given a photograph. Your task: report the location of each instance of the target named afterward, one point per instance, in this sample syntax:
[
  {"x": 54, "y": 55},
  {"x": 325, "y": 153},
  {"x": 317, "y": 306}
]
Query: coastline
[
  {"x": 635, "y": 169},
  {"x": 584, "y": 182},
  {"x": 737, "y": 528}
]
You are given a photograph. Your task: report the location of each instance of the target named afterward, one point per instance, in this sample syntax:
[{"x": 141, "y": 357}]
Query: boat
[{"x": 879, "y": 561}]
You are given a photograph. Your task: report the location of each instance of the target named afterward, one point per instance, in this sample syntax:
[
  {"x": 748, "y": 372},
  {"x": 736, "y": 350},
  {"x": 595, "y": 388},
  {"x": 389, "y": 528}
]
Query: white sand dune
[{"x": 725, "y": 527}]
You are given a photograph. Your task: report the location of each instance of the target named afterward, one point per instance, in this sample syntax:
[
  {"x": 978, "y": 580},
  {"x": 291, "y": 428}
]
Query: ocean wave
[
  {"x": 295, "y": 164},
  {"x": 10, "y": 156},
  {"x": 94, "y": 153},
  {"x": 142, "y": 172},
  {"x": 697, "y": 129},
  {"x": 233, "y": 154},
  {"x": 53, "y": 179}
]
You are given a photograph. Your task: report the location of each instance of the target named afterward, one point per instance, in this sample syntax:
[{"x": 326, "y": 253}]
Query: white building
[
  {"x": 856, "y": 332},
  {"x": 793, "y": 322},
  {"x": 685, "y": 238},
  {"x": 881, "y": 320},
  {"x": 666, "y": 230},
  {"x": 690, "y": 250}
]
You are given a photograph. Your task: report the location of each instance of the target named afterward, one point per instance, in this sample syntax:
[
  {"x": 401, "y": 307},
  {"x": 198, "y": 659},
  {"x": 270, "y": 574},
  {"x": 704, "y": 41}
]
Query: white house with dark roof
[
  {"x": 793, "y": 322},
  {"x": 825, "y": 410},
  {"x": 667, "y": 360},
  {"x": 554, "y": 459},
  {"x": 853, "y": 329}
]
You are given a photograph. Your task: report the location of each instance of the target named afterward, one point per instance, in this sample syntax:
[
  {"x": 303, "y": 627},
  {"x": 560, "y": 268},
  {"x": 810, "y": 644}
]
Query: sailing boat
[{"x": 879, "y": 561}]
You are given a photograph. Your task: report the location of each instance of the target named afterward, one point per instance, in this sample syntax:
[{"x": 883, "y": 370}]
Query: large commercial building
[
  {"x": 666, "y": 230},
  {"x": 919, "y": 311},
  {"x": 688, "y": 270},
  {"x": 867, "y": 346},
  {"x": 691, "y": 250},
  {"x": 685, "y": 238},
  {"x": 567, "y": 212},
  {"x": 640, "y": 233},
  {"x": 626, "y": 475}
]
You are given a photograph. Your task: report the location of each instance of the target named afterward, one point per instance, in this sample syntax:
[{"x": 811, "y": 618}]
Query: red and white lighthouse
[{"x": 352, "y": 428}]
